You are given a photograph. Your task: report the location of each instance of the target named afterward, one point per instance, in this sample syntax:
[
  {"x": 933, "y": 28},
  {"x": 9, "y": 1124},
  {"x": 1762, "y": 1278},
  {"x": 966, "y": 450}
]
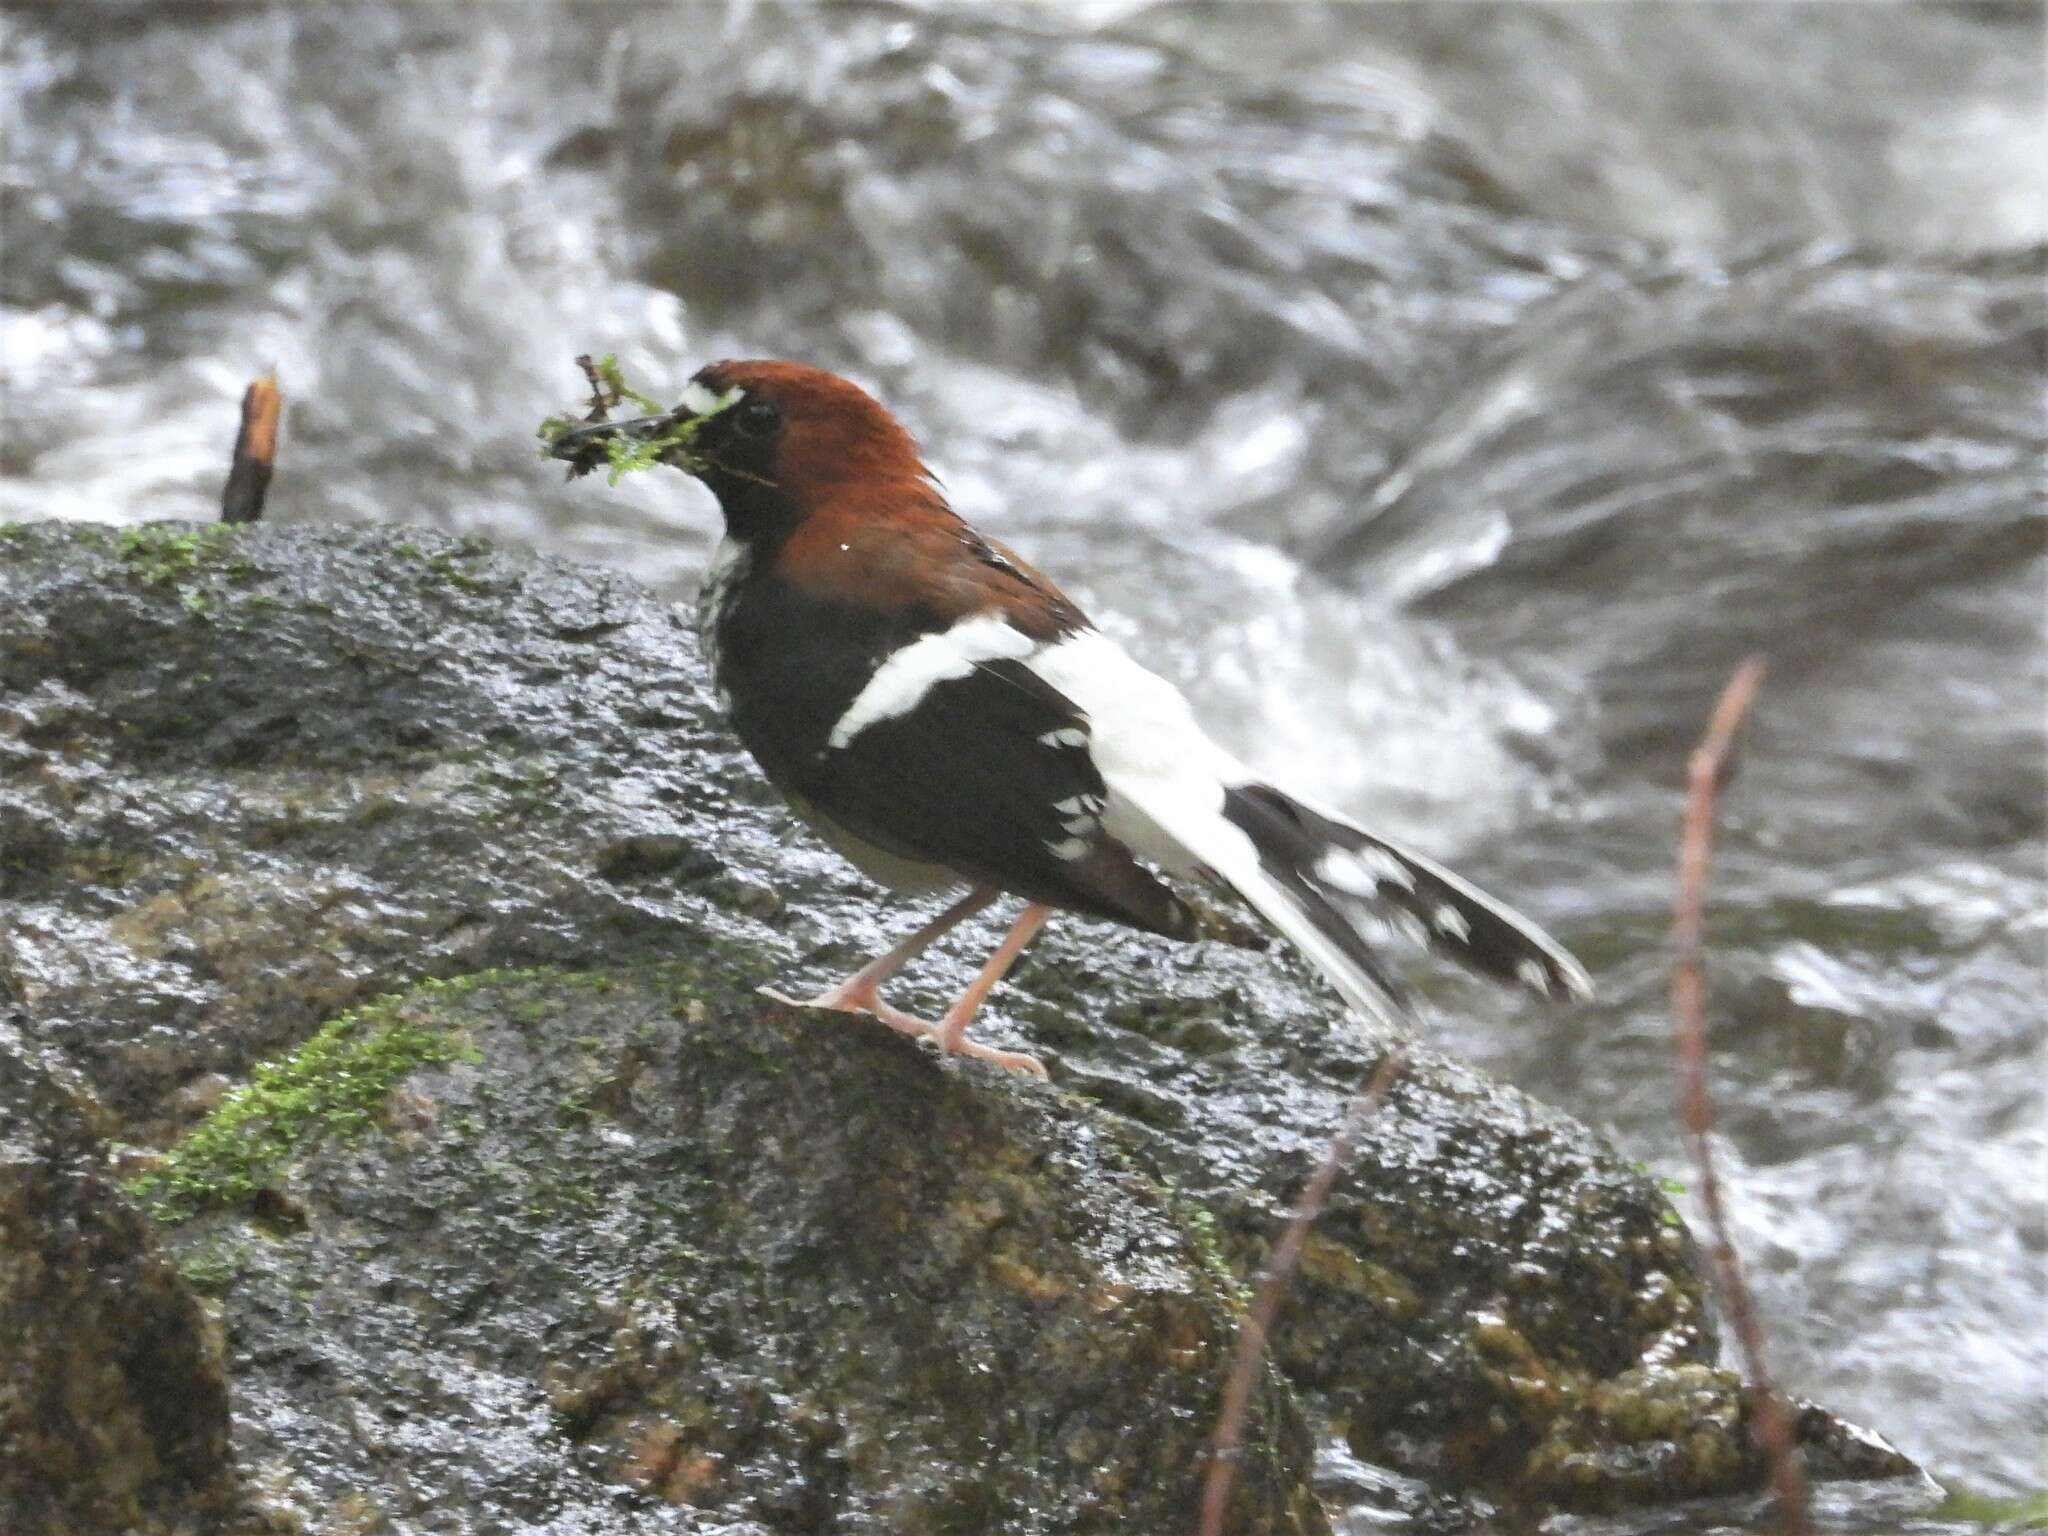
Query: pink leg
[
  {"x": 862, "y": 991},
  {"x": 951, "y": 1031}
]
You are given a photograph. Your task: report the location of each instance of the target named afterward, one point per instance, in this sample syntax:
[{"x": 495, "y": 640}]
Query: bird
[{"x": 948, "y": 720}]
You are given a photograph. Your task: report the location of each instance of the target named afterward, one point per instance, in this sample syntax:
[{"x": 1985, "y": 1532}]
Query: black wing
[{"x": 990, "y": 774}]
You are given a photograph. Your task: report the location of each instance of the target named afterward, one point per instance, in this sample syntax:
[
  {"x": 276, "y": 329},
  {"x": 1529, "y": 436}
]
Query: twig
[
  {"x": 601, "y": 399},
  {"x": 241, "y": 499},
  {"x": 1252, "y": 1332},
  {"x": 1772, "y": 1422}
]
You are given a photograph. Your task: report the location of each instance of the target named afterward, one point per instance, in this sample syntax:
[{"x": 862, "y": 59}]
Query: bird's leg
[
  {"x": 862, "y": 991},
  {"x": 950, "y": 1033}
]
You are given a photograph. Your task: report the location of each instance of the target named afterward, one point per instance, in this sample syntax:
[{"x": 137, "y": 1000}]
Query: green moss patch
[
  {"x": 334, "y": 1084},
  {"x": 159, "y": 555},
  {"x": 183, "y": 559}
]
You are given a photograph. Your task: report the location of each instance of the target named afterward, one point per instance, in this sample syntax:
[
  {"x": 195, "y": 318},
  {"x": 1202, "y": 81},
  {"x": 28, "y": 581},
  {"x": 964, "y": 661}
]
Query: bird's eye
[{"x": 757, "y": 418}]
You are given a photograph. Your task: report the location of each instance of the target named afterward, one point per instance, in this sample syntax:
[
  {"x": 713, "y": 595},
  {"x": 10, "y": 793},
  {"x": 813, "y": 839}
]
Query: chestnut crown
[{"x": 782, "y": 441}]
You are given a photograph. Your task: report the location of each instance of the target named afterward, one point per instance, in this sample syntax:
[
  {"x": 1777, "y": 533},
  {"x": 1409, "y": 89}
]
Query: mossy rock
[
  {"x": 648, "y": 1242},
  {"x": 250, "y": 781}
]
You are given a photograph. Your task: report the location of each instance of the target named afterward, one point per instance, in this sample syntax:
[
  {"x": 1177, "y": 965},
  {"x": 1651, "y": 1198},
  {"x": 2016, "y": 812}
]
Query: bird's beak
[
  {"x": 589, "y": 445},
  {"x": 639, "y": 442},
  {"x": 641, "y": 427}
]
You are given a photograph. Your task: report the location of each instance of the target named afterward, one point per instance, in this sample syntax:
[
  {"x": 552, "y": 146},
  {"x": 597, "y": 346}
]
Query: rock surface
[
  {"x": 615, "y": 1243},
  {"x": 638, "y": 1245},
  {"x": 113, "y": 1403}
]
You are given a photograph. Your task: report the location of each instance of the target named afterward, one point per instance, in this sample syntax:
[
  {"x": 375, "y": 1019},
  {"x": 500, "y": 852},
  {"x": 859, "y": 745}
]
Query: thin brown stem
[
  {"x": 1771, "y": 1421},
  {"x": 1250, "y": 1347},
  {"x": 602, "y": 400}
]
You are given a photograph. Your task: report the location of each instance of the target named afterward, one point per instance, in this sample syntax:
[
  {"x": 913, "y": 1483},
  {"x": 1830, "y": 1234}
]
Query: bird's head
[{"x": 779, "y": 442}]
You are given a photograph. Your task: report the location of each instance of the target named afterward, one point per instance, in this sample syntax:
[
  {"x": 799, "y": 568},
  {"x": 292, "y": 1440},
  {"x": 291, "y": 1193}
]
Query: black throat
[{"x": 757, "y": 511}]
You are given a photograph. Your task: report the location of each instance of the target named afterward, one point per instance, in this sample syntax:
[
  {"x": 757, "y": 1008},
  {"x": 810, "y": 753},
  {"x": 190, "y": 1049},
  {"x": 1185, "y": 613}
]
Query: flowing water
[{"x": 1446, "y": 397}]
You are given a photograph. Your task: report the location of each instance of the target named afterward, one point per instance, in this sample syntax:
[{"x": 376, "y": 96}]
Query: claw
[
  {"x": 1014, "y": 1061},
  {"x": 867, "y": 1003}
]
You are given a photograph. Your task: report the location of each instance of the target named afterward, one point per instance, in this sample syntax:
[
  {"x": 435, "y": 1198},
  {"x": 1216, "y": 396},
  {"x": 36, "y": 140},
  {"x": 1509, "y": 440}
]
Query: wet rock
[
  {"x": 1486, "y": 1288},
  {"x": 279, "y": 772},
  {"x": 1657, "y": 1433},
  {"x": 640, "y": 1241},
  {"x": 113, "y": 1403}
]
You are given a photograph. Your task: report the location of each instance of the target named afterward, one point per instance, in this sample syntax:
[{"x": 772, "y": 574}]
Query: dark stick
[
  {"x": 241, "y": 499},
  {"x": 1250, "y": 1347},
  {"x": 601, "y": 399},
  {"x": 1771, "y": 1422}
]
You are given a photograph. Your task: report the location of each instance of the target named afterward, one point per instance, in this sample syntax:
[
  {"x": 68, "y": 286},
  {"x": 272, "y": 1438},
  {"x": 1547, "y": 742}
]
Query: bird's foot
[
  {"x": 849, "y": 998},
  {"x": 868, "y": 1001},
  {"x": 1014, "y": 1061}
]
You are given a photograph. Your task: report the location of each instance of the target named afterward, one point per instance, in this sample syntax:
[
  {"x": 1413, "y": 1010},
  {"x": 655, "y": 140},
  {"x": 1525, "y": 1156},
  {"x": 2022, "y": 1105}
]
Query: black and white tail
[
  {"x": 1354, "y": 888},
  {"x": 1331, "y": 887},
  {"x": 1341, "y": 894}
]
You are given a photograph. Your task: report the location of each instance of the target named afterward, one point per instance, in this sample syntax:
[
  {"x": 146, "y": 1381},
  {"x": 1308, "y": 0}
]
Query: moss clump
[
  {"x": 1200, "y": 1226},
  {"x": 214, "y": 1268},
  {"x": 163, "y": 555},
  {"x": 158, "y": 555},
  {"x": 627, "y": 455},
  {"x": 614, "y": 381},
  {"x": 623, "y": 454},
  {"x": 334, "y": 1084},
  {"x": 444, "y": 566}
]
